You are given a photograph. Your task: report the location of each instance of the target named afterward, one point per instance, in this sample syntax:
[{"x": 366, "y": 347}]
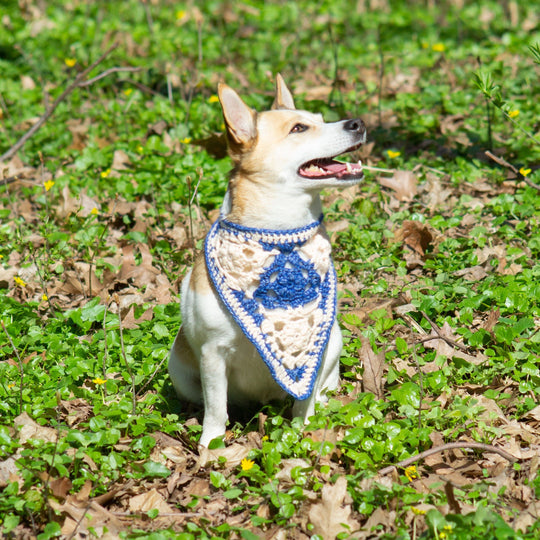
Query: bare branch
[
  {"x": 106, "y": 73},
  {"x": 50, "y": 110},
  {"x": 501, "y": 161},
  {"x": 449, "y": 446}
]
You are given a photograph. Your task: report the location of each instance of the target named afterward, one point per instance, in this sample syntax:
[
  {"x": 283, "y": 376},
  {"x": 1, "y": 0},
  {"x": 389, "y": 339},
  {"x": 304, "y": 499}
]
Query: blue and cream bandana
[{"x": 280, "y": 287}]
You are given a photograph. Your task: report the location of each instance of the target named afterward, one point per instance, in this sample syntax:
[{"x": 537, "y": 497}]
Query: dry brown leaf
[
  {"x": 415, "y": 235},
  {"x": 234, "y": 454},
  {"x": 333, "y": 514},
  {"x": 32, "y": 430},
  {"x": 374, "y": 365},
  {"x": 287, "y": 465},
  {"x": 403, "y": 183},
  {"x": 151, "y": 500}
]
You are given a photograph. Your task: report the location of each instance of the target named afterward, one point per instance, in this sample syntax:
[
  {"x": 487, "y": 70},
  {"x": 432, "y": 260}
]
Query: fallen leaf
[
  {"x": 373, "y": 369},
  {"x": 151, "y": 500},
  {"x": 333, "y": 514},
  {"x": 403, "y": 183}
]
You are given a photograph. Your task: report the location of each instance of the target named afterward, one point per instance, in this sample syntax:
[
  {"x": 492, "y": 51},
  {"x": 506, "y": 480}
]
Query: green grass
[{"x": 83, "y": 240}]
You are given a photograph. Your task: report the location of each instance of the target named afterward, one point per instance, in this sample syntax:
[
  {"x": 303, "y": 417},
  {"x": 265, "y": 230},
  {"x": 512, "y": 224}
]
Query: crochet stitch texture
[{"x": 280, "y": 288}]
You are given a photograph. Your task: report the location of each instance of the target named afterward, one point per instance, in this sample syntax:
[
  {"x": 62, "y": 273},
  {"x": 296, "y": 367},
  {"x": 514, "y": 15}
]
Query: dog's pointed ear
[
  {"x": 284, "y": 98},
  {"x": 239, "y": 118}
]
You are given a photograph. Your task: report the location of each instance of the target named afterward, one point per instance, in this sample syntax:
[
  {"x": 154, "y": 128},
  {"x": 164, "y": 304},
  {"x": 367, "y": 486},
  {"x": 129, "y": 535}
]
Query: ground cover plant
[{"x": 104, "y": 203}]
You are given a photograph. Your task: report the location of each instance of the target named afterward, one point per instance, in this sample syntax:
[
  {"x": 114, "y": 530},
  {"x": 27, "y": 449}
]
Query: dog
[{"x": 259, "y": 304}]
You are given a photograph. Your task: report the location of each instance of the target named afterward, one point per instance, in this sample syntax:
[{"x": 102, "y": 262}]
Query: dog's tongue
[{"x": 320, "y": 168}]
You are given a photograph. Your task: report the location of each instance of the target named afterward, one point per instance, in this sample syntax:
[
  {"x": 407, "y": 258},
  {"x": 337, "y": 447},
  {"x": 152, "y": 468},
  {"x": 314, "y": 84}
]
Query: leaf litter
[{"x": 138, "y": 277}]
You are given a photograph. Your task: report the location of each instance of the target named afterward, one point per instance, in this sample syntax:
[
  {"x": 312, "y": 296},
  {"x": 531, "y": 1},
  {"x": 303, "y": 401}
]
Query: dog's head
[{"x": 290, "y": 146}]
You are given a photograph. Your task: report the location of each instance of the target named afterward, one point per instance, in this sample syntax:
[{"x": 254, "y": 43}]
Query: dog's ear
[
  {"x": 240, "y": 119},
  {"x": 283, "y": 99}
]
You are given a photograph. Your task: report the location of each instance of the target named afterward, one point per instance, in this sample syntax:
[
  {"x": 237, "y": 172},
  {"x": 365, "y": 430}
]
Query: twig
[
  {"x": 21, "y": 367},
  {"x": 381, "y": 74},
  {"x": 378, "y": 169},
  {"x": 449, "y": 446},
  {"x": 106, "y": 73},
  {"x": 504, "y": 163},
  {"x": 50, "y": 110},
  {"x": 124, "y": 357},
  {"x": 437, "y": 330}
]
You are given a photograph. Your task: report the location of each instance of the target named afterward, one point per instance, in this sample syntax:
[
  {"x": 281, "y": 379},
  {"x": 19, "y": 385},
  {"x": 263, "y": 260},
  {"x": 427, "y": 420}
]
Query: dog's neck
[{"x": 270, "y": 205}]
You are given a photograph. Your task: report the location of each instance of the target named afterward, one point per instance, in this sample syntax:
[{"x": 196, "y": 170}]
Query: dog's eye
[{"x": 299, "y": 128}]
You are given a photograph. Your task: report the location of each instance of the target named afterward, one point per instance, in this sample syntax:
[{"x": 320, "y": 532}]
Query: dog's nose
[{"x": 355, "y": 126}]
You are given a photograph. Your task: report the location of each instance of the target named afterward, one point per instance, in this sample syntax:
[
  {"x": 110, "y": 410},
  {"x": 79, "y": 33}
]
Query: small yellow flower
[
  {"x": 246, "y": 464},
  {"x": 513, "y": 114},
  {"x": 44, "y": 297},
  {"x": 411, "y": 473},
  {"x": 99, "y": 380},
  {"x": 418, "y": 511},
  {"x": 94, "y": 211},
  {"x": 105, "y": 173},
  {"x": 180, "y": 14},
  {"x": 1, "y": 256},
  {"x": 447, "y": 528},
  {"x": 10, "y": 385},
  {"x": 442, "y": 535},
  {"x": 20, "y": 282},
  {"x": 265, "y": 438},
  {"x": 222, "y": 126},
  {"x": 186, "y": 140},
  {"x": 140, "y": 149},
  {"x": 48, "y": 184},
  {"x": 70, "y": 62},
  {"x": 392, "y": 154},
  {"x": 213, "y": 99},
  {"x": 524, "y": 172},
  {"x": 438, "y": 47},
  {"x": 128, "y": 91}
]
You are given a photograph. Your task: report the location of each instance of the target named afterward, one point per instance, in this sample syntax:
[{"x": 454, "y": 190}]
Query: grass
[{"x": 115, "y": 192}]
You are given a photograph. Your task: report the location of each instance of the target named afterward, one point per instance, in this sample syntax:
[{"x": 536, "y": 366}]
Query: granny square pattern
[{"x": 280, "y": 287}]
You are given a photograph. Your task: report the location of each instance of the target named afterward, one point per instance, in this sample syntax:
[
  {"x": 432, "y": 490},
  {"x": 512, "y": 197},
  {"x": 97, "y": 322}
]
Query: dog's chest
[{"x": 280, "y": 288}]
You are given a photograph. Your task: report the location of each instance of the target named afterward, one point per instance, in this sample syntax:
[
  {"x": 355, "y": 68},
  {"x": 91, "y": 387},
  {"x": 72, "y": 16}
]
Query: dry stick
[
  {"x": 106, "y": 73},
  {"x": 504, "y": 163},
  {"x": 449, "y": 446},
  {"x": 21, "y": 368},
  {"x": 448, "y": 340},
  {"x": 50, "y": 110},
  {"x": 128, "y": 367}
]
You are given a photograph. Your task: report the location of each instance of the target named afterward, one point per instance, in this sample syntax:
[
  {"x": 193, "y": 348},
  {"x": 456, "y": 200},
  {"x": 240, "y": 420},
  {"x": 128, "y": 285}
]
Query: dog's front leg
[
  {"x": 214, "y": 387},
  {"x": 328, "y": 378}
]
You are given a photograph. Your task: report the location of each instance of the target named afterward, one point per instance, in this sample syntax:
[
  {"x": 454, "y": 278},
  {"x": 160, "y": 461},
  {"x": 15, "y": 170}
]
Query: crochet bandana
[{"x": 280, "y": 287}]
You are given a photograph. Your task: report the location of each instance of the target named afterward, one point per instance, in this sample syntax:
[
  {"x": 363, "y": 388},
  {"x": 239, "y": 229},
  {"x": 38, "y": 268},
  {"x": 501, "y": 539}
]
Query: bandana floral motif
[{"x": 280, "y": 287}]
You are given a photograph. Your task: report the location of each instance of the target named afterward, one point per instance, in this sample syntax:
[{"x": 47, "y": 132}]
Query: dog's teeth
[
  {"x": 360, "y": 163},
  {"x": 349, "y": 168}
]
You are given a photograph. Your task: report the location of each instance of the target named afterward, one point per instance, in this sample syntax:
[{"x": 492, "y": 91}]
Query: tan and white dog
[{"x": 282, "y": 159}]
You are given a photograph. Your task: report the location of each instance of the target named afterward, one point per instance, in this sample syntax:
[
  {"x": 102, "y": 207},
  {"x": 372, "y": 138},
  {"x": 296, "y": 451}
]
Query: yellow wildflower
[
  {"x": 418, "y": 511},
  {"x": 246, "y": 464},
  {"x": 186, "y": 140},
  {"x": 442, "y": 535},
  {"x": 524, "y": 172},
  {"x": 180, "y": 14},
  {"x": 18, "y": 281},
  {"x": 140, "y": 149},
  {"x": 48, "y": 184},
  {"x": 392, "y": 154},
  {"x": 411, "y": 473},
  {"x": 128, "y": 91},
  {"x": 513, "y": 114},
  {"x": 105, "y": 173},
  {"x": 94, "y": 211},
  {"x": 99, "y": 380},
  {"x": 11, "y": 385},
  {"x": 213, "y": 99},
  {"x": 70, "y": 62},
  {"x": 438, "y": 47},
  {"x": 44, "y": 297}
]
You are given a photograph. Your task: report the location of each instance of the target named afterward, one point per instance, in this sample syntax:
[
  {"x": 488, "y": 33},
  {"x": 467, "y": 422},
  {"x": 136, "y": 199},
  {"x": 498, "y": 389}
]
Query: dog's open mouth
[{"x": 331, "y": 168}]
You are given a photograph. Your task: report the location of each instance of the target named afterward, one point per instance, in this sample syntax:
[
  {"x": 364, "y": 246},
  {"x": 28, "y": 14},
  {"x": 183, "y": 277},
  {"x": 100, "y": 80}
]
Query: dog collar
[{"x": 280, "y": 288}]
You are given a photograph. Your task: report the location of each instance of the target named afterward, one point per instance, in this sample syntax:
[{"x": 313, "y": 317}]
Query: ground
[{"x": 105, "y": 201}]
